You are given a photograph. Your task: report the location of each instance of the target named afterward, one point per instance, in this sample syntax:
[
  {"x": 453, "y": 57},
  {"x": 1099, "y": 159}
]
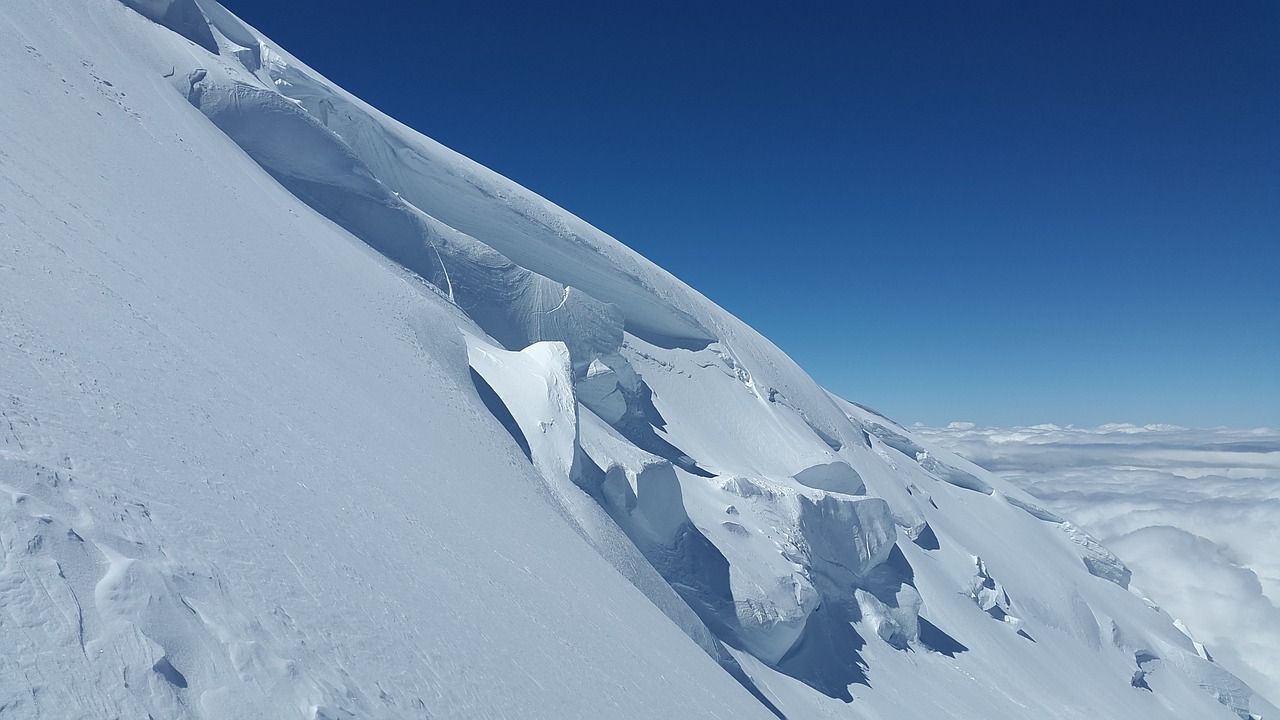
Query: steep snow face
[{"x": 305, "y": 415}]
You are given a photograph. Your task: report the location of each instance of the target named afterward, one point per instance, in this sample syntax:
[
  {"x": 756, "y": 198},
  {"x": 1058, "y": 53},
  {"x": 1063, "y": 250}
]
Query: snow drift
[{"x": 305, "y": 415}]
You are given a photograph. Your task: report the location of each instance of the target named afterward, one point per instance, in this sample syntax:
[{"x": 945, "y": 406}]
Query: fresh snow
[{"x": 304, "y": 415}]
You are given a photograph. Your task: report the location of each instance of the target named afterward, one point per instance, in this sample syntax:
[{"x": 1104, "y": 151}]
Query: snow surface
[{"x": 304, "y": 415}]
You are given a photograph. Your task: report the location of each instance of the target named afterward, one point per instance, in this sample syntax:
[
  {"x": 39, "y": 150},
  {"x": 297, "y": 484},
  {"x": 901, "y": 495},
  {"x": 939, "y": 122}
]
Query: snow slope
[{"x": 305, "y": 415}]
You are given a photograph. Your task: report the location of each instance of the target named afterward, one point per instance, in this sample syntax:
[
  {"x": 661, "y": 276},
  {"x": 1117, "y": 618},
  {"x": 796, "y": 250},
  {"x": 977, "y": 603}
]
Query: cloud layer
[{"x": 1194, "y": 513}]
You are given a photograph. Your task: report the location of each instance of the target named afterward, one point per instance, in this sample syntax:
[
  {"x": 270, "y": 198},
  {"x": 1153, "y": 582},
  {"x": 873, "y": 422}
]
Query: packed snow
[{"x": 304, "y": 415}]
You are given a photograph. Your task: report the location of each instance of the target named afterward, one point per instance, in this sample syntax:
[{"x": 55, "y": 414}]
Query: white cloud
[{"x": 1194, "y": 513}]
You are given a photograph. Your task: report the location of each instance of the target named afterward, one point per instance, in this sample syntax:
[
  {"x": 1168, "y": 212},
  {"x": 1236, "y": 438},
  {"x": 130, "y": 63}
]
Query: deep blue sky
[{"x": 1004, "y": 212}]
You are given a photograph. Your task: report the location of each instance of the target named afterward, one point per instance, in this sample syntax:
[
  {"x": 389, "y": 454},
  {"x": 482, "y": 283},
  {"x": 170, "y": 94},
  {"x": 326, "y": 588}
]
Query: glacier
[{"x": 303, "y": 414}]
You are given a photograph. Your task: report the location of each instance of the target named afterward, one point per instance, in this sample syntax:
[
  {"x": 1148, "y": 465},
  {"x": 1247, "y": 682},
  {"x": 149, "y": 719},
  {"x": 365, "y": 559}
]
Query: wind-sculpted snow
[{"x": 304, "y": 415}]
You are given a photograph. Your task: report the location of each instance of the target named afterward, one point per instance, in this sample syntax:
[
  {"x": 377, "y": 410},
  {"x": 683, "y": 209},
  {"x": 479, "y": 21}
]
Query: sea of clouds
[{"x": 1195, "y": 514}]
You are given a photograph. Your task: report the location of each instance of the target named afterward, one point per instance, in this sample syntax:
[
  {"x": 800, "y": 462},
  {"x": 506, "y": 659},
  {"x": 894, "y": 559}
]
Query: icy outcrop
[
  {"x": 536, "y": 385},
  {"x": 930, "y": 464},
  {"x": 990, "y": 597},
  {"x": 836, "y": 477},
  {"x": 534, "y": 233},
  {"x": 181, "y": 16},
  {"x": 236, "y": 37},
  {"x": 847, "y": 538},
  {"x": 1100, "y": 561}
]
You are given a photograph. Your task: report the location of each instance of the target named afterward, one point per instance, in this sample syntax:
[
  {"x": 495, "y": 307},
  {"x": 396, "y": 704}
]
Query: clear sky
[{"x": 1000, "y": 211}]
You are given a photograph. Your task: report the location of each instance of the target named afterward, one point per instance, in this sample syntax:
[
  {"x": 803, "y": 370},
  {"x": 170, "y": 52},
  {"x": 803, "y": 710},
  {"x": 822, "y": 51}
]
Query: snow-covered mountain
[
  {"x": 1195, "y": 513},
  {"x": 304, "y": 415}
]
